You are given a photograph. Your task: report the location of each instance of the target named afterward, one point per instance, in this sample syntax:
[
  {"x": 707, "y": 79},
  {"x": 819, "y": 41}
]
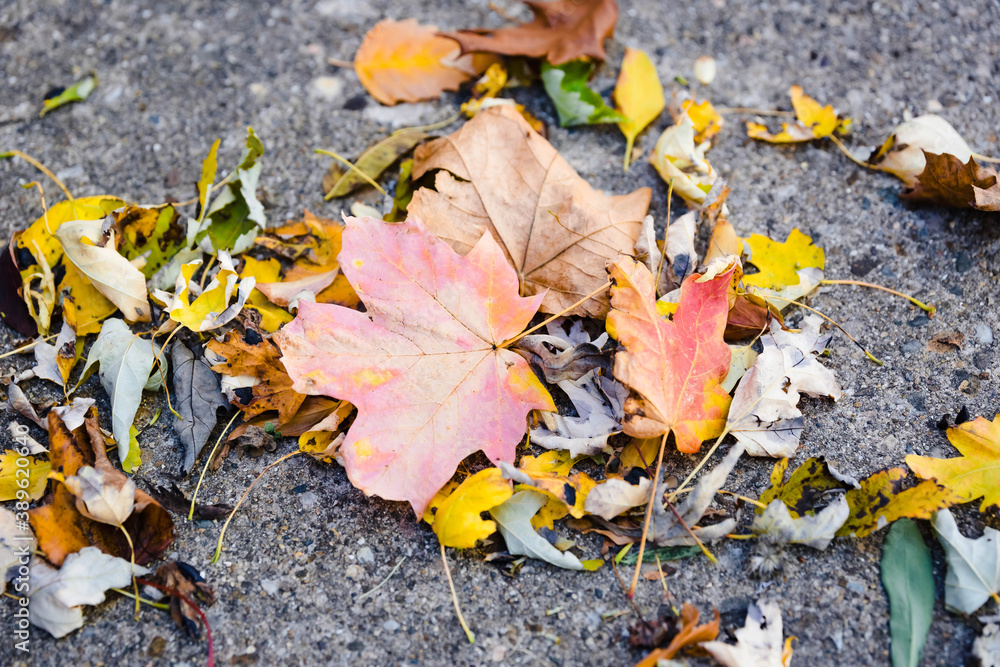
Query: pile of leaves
[{"x": 501, "y": 340}]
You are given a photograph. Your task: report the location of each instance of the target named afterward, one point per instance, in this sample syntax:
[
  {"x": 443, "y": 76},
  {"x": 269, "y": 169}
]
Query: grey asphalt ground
[{"x": 174, "y": 76}]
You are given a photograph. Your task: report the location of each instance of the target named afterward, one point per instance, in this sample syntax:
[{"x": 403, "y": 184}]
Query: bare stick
[
  {"x": 454, "y": 598},
  {"x": 649, "y": 517},
  {"x": 985, "y": 158},
  {"x": 27, "y": 346},
  {"x": 919, "y": 304}
]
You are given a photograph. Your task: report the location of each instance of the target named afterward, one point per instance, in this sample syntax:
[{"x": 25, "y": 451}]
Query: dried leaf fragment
[
  {"x": 814, "y": 121},
  {"x": 974, "y": 474},
  {"x": 758, "y": 643}
]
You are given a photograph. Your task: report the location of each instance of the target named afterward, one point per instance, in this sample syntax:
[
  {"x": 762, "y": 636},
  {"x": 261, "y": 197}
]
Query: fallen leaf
[
  {"x": 404, "y": 193},
  {"x": 908, "y": 578},
  {"x": 598, "y": 402},
  {"x": 212, "y": 308},
  {"x": 15, "y": 543},
  {"x": 197, "y": 398},
  {"x": 682, "y": 163},
  {"x": 814, "y": 121},
  {"x": 57, "y": 595},
  {"x": 725, "y": 240},
  {"x": 902, "y": 154},
  {"x": 456, "y": 520},
  {"x": 881, "y": 499},
  {"x": 125, "y": 364},
  {"x": 758, "y": 642},
  {"x": 678, "y": 526},
  {"x": 687, "y": 633},
  {"x": 764, "y": 415},
  {"x": 706, "y": 121},
  {"x": 500, "y": 177},
  {"x": 815, "y": 530},
  {"x": 22, "y": 473},
  {"x": 41, "y": 299},
  {"x": 105, "y": 498},
  {"x": 62, "y": 530},
  {"x": 55, "y": 362},
  {"x": 564, "y": 354},
  {"x": 563, "y": 30},
  {"x": 322, "y": 445},
  {"x": 616, "y": 496},
  {"x": 676, "y": 366},
  {"x": 575, "y": 102},
  {"x": 638, "y": 96},
  {"x": 235, "y": 215},
  {"x": 403, "y": 61},
  {"x": 73, "y": 415},
  {"x": 779, "y": 262},
  {"x": 514, "y": 519},
  {"x": 174, "y": 501},
  {"x": 812, "y": 480},
  {"x": 272, "y": 317},
  {"x": 78, "y": 92},
  {"x": 946, "y": 341},
  {"x": 379, "y": 157},
  {"x": 90, "y": 246},
  {"x": 428, "y": 349},
  {"x": 184, "y": 581},
  {"x": 974, "y": 474},
  {"x": 987, "y": 646},
  {"x": 155, "y": 234},
  {"x": 19, "y": 402},
  {"x": 947, "y": 180},
  {"x": 567, "y": 489},
  {"x": 679, "y": 247},
  {"x": 973, "y": 565},
  {"x": 288, "y": 292}
]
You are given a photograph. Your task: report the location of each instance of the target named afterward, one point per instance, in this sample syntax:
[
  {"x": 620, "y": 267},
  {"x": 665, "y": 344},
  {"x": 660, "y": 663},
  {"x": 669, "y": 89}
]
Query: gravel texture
[{"x": 176, "y": 75}]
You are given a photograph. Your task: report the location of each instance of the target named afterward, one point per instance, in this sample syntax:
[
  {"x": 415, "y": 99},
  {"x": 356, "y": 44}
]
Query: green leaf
[
  {"x": 909, "y": 583},
  {"x": 665, "y": 554},
  {"x": 125, "y": 362},
  {"x": 376, "y": 160},
  {"x": 404, "y": 193},
  {"x": 156, "y": 233},
  {"x": 235, "y": 215},
  {"x": 973, "y": 565},
  {"x": 575, "y": 102},
  {"x": 514, "y": 519},
  {"x": 78, "y": 92}
]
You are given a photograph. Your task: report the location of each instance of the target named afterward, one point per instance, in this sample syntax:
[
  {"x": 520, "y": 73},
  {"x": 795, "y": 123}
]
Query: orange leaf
[
  {"x": 563, "y": 30},
  {"x": 675, "y": 367},
  {"x": 403, "y": 61},
  {"x": 689, "y": 633},
  {"x": 424, "y": 364}
]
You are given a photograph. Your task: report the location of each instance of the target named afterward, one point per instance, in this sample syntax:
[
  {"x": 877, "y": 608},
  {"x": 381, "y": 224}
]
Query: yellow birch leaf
[
  {"x": 638, "y": 95},
  {"x": 973, "y": 475},
  {"x": 881, "y": 500},
  {"x": 706, "y": 120},
  {"x": 37, "y": 475},
  {"x": 778, "y": 262},
  {"x": 814, "y": 121},
  {"x": 457, "y": 521}
]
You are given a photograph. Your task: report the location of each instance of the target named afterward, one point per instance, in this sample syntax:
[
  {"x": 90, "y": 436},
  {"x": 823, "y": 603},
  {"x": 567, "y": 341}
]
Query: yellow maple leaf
[
  {"x": 815, "y": 121},
  {"x": 975, "y": 473},
  {"x": 779, "y": 262},
  {"x": 638, "y": 95},
  {"x": 457, "y": 521},
  {"x": 212, "y": 307}
]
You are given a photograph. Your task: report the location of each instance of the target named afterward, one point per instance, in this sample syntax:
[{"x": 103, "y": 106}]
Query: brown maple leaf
[
  {"x": 563, "y": 30},
  {"x": 947, "y": 180},
  {"x": 558, "y": 233}
]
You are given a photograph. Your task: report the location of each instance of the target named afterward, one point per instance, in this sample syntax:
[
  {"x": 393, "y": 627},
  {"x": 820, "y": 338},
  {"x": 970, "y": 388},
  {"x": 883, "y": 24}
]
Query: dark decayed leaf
[
  {"x": 947, "y": 180},
  {"x": 197, "y": 397},
  {"x": 13, "y": 309},
  {"x": 174, "y": 500},
  {"x": 184, "y": 579},
  {"x": 909, "y": 583}
]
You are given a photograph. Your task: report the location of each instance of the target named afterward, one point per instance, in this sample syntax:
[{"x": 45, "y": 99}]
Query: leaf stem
[
  {"x": 848, "y": 153},
  {"x": 454, "y": 598},
  {"x": 27, "y": 346},
  {"x": 128, "y": 538},
  {"x": 158, "y": 605},
  {"x": 40, "y": 167},
  {"x": 986, "y": 158},
  {"x": 384, "y": 581},
  {"x": 208, "y": 462},
  {"x": 222, "y": 534},
  {"x": 930, "y": 309},
  {"x": 508, "y": 343},
  {"x": 666, "y": 229},
  {"x": 351, "y": 166},
  {"x": 649, "y": 517}
]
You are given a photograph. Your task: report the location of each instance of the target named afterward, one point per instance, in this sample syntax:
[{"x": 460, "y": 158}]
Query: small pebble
[
  {"x": 270, "y": 586},
  {"x": 354, "y": 572},
  {"x": 855, "y": 587},
  {"x": 390, "y": 626},
  {"x": 365, "y": 555},
  {"x": 984, "y": 334}
]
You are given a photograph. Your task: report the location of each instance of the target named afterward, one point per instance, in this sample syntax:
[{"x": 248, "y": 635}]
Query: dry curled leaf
[
  {"x": 758, "y": 642},
  {"x": 499, "y": 176},
  {"x": 947, "y": 180},
  {"x": 563, "y": 30}
]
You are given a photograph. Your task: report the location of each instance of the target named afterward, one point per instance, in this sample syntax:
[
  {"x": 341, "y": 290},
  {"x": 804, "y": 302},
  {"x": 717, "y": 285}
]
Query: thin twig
[
  {"x": 697, "y": 540},
  {"x": 352, "y": 167},
  {"x": 919, "y": 304},
  {"x": 649, "y": 517},
  {"x": 337, "y": 62},
  {"x": 387, "y": 578},
  {"x": 208, "y": 462},
  {"x": 508, "y": 343},
  {"x": 222, "y": 533},
  {"x": 454, "y": 598},
  {"x": 743, "y": 498},
  {"x": 40, "y": 167},
  {"x": 758, "y": 112}
]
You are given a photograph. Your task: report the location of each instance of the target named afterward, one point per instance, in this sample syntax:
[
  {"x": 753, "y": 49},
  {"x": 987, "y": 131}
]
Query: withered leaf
[
  {"x": 197, "y": 397},
  {"x": 947, "y": 180}
]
